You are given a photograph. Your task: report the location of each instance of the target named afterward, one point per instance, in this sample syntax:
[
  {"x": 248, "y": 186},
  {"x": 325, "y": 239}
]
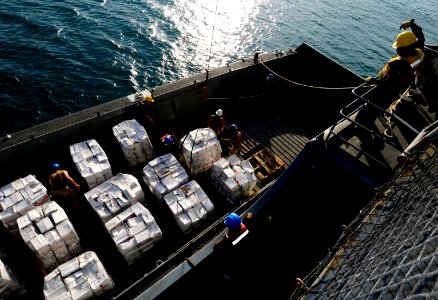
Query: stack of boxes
[
  {"x": 50, "y": 234},
  {"x": 189, "y": 205},
  {"x": 164, "y": 174},
  {"x": 134, "y": 231},
  {"x": 91, "y": 162},
  {"x": 19, "y": 197},
  {"x": 10, "y": 287},
  {"x": 82, "y": 277},
  {"x": 130, "y": 224},
  {"x": 115, "y": 195},
  {"x": 200, "y": 149},
  {"x": 134, "y": 141},
  {"x": 233, "y": 177}
]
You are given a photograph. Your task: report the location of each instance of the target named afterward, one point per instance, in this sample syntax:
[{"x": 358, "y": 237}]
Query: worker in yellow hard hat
[
  {"x": 397, "y": 75},
  {"x": 409, "y": 46},
  {"x": 149, "y": 99},
  {"x": 146, "y": 112}
]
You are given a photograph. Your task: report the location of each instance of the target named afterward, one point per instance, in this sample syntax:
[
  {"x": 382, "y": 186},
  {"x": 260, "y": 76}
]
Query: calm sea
[{"x": 58, "y": 57}]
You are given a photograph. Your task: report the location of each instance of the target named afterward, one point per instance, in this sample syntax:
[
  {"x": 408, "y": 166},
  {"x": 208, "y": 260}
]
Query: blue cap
[
  {"x": 168, "y": 140},
  {"x": 55, "y": 167},
  {"x": 233, "y": 220},
  {"x": 233, "y": 127},
  {"x": 270, "y": 77}
]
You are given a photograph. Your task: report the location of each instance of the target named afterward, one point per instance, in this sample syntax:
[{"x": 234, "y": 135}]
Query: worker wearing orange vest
[{"x": 409, "y": 46}]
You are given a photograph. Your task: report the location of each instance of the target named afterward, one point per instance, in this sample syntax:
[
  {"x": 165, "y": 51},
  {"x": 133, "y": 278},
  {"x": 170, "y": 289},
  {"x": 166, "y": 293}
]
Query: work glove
[
  {"x": 405, "y": 25},
  {"x": 371, "y": 80}
]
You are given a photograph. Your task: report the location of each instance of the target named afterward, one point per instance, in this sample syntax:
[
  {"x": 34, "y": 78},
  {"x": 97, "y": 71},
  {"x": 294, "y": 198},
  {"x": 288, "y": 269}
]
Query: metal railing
[{"x": 358, "y": 99}]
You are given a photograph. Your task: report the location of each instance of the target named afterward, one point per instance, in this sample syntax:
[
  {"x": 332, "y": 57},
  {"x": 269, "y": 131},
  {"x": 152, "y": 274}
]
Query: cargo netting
[{"x": 390, "y": 251}]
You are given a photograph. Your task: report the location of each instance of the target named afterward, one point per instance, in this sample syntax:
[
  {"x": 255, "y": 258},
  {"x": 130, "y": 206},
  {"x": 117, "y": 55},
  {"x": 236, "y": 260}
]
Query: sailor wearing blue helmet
[
  {"x": 63, "y": 188},
  {"x": 227, "y": 249},
  {"x": 231, "y": 140},
  {"x": 236, "y": 228},
  {"x": 170, "y": 145},
  {"x": 233, "y": 220}
]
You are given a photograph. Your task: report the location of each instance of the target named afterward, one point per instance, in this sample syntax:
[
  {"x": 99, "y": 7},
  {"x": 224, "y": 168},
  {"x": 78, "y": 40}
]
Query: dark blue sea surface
[{"x": 58, "y": 57}]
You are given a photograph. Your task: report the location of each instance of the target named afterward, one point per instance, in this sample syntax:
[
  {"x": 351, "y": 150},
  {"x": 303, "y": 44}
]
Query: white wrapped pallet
[
  {"x": 114, "y": 195},
  {"x": 233, "y": 177},
  {"x": 91, "y": 162},
  {"x": 200, "y": 148},
  {"x": 164, "y": 174},
  {"x": 189, "y": 205},
  {"x": 19, "y": 197},
  {"x": 49, "y": 233},
  {"x": 135, "y": 142},
  {"x": 82, "y": 277},
  {"x": 10, "y": 286},
  {"x": 134, "y": 231}
]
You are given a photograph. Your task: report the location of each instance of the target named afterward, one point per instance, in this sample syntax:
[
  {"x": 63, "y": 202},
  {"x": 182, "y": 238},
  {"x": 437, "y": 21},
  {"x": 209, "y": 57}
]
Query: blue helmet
[
  {"x": 233, "y": 220},
  {"x": 233, "y": 127},
  {"x": 55, "y": 167},
  {"x": 270, "y": 77},
  {"x": 168, "y": 140}
]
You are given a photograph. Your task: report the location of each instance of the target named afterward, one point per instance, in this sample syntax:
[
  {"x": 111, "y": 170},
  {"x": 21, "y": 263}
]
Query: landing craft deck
[{"x": 272, "y": 140}]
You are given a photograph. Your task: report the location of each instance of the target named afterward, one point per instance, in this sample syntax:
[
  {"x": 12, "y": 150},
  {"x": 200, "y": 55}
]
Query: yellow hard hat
[
  {"x": 404, "y": 39},
  {"x": 149, "y": 98}
]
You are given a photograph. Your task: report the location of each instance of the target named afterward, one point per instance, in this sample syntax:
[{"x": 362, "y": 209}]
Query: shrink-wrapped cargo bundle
[
  {"x": 189, "y": 205},
  {"x": 114, "y": 195},
  {"x": 134, "y": 231},
  {"x": 91, "y": 162},
  {"x": 134, "y": 141},
  {"x": 10, "y": 286},
  {"x": 164, "y": 174},
  {"x": 82, "y": 277},
  {"x": 19, "y": 197},
  {"x": 233, "y": 177},
  {"x": 49, "y": 233},
  {"x": 200, "y": 149}
]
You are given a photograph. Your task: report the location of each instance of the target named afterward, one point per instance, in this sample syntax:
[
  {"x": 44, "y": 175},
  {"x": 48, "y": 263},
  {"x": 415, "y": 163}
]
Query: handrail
[
  {"x": 427, "y": 135},
  {"x": 384, "y": 110},
  {"x": 355, "y": 102}
]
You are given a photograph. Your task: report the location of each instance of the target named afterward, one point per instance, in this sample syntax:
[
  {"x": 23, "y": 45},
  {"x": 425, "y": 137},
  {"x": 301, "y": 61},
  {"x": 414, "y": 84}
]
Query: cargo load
[
  {"x": 135, "y": 142},
  {"x": 114, "y": 195},
  {"x": 82, "y": 277},
  {"x": 163, "y": 175},
  {"x": 50, "y": 235},
  {"x": 134, "y": 231},
  {"x": 91, "y": 162},
  {"x": 10, "y": 286},
  {"x": 19, "y": 197},
  {"x": 200, "y": 149},
  {"x": 233, "y": 177},
  {"x": 189, "y": 205}
]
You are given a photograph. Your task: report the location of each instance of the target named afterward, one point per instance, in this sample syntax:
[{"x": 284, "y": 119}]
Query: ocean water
[{"x": 58, "y": 57}]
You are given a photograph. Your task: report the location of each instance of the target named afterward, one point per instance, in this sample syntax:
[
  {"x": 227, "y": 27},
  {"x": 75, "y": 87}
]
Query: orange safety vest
[
  {"x": 236, "y": 237},
  {"x": 414, "y": 61}
]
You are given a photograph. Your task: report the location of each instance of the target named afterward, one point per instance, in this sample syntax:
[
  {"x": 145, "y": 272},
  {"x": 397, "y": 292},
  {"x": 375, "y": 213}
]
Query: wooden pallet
[{"x": 266, "y": 164}]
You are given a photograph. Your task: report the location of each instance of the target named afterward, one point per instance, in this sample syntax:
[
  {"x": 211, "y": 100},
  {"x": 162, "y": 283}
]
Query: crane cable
[{"x": 209, "y": 54}]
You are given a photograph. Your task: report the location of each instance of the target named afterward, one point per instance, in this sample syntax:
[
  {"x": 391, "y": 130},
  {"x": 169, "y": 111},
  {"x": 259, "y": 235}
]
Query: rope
[
  {"x": 430, "y": 49},
  {"x": 236, "y": 97},
  {"x": 305, "y": 85}
]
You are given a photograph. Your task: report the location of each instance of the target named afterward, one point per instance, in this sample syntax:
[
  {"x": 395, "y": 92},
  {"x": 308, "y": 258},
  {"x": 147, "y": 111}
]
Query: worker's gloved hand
[
  {"x": 405, "y": 25},
  {"x": 371, "y": 80}
]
